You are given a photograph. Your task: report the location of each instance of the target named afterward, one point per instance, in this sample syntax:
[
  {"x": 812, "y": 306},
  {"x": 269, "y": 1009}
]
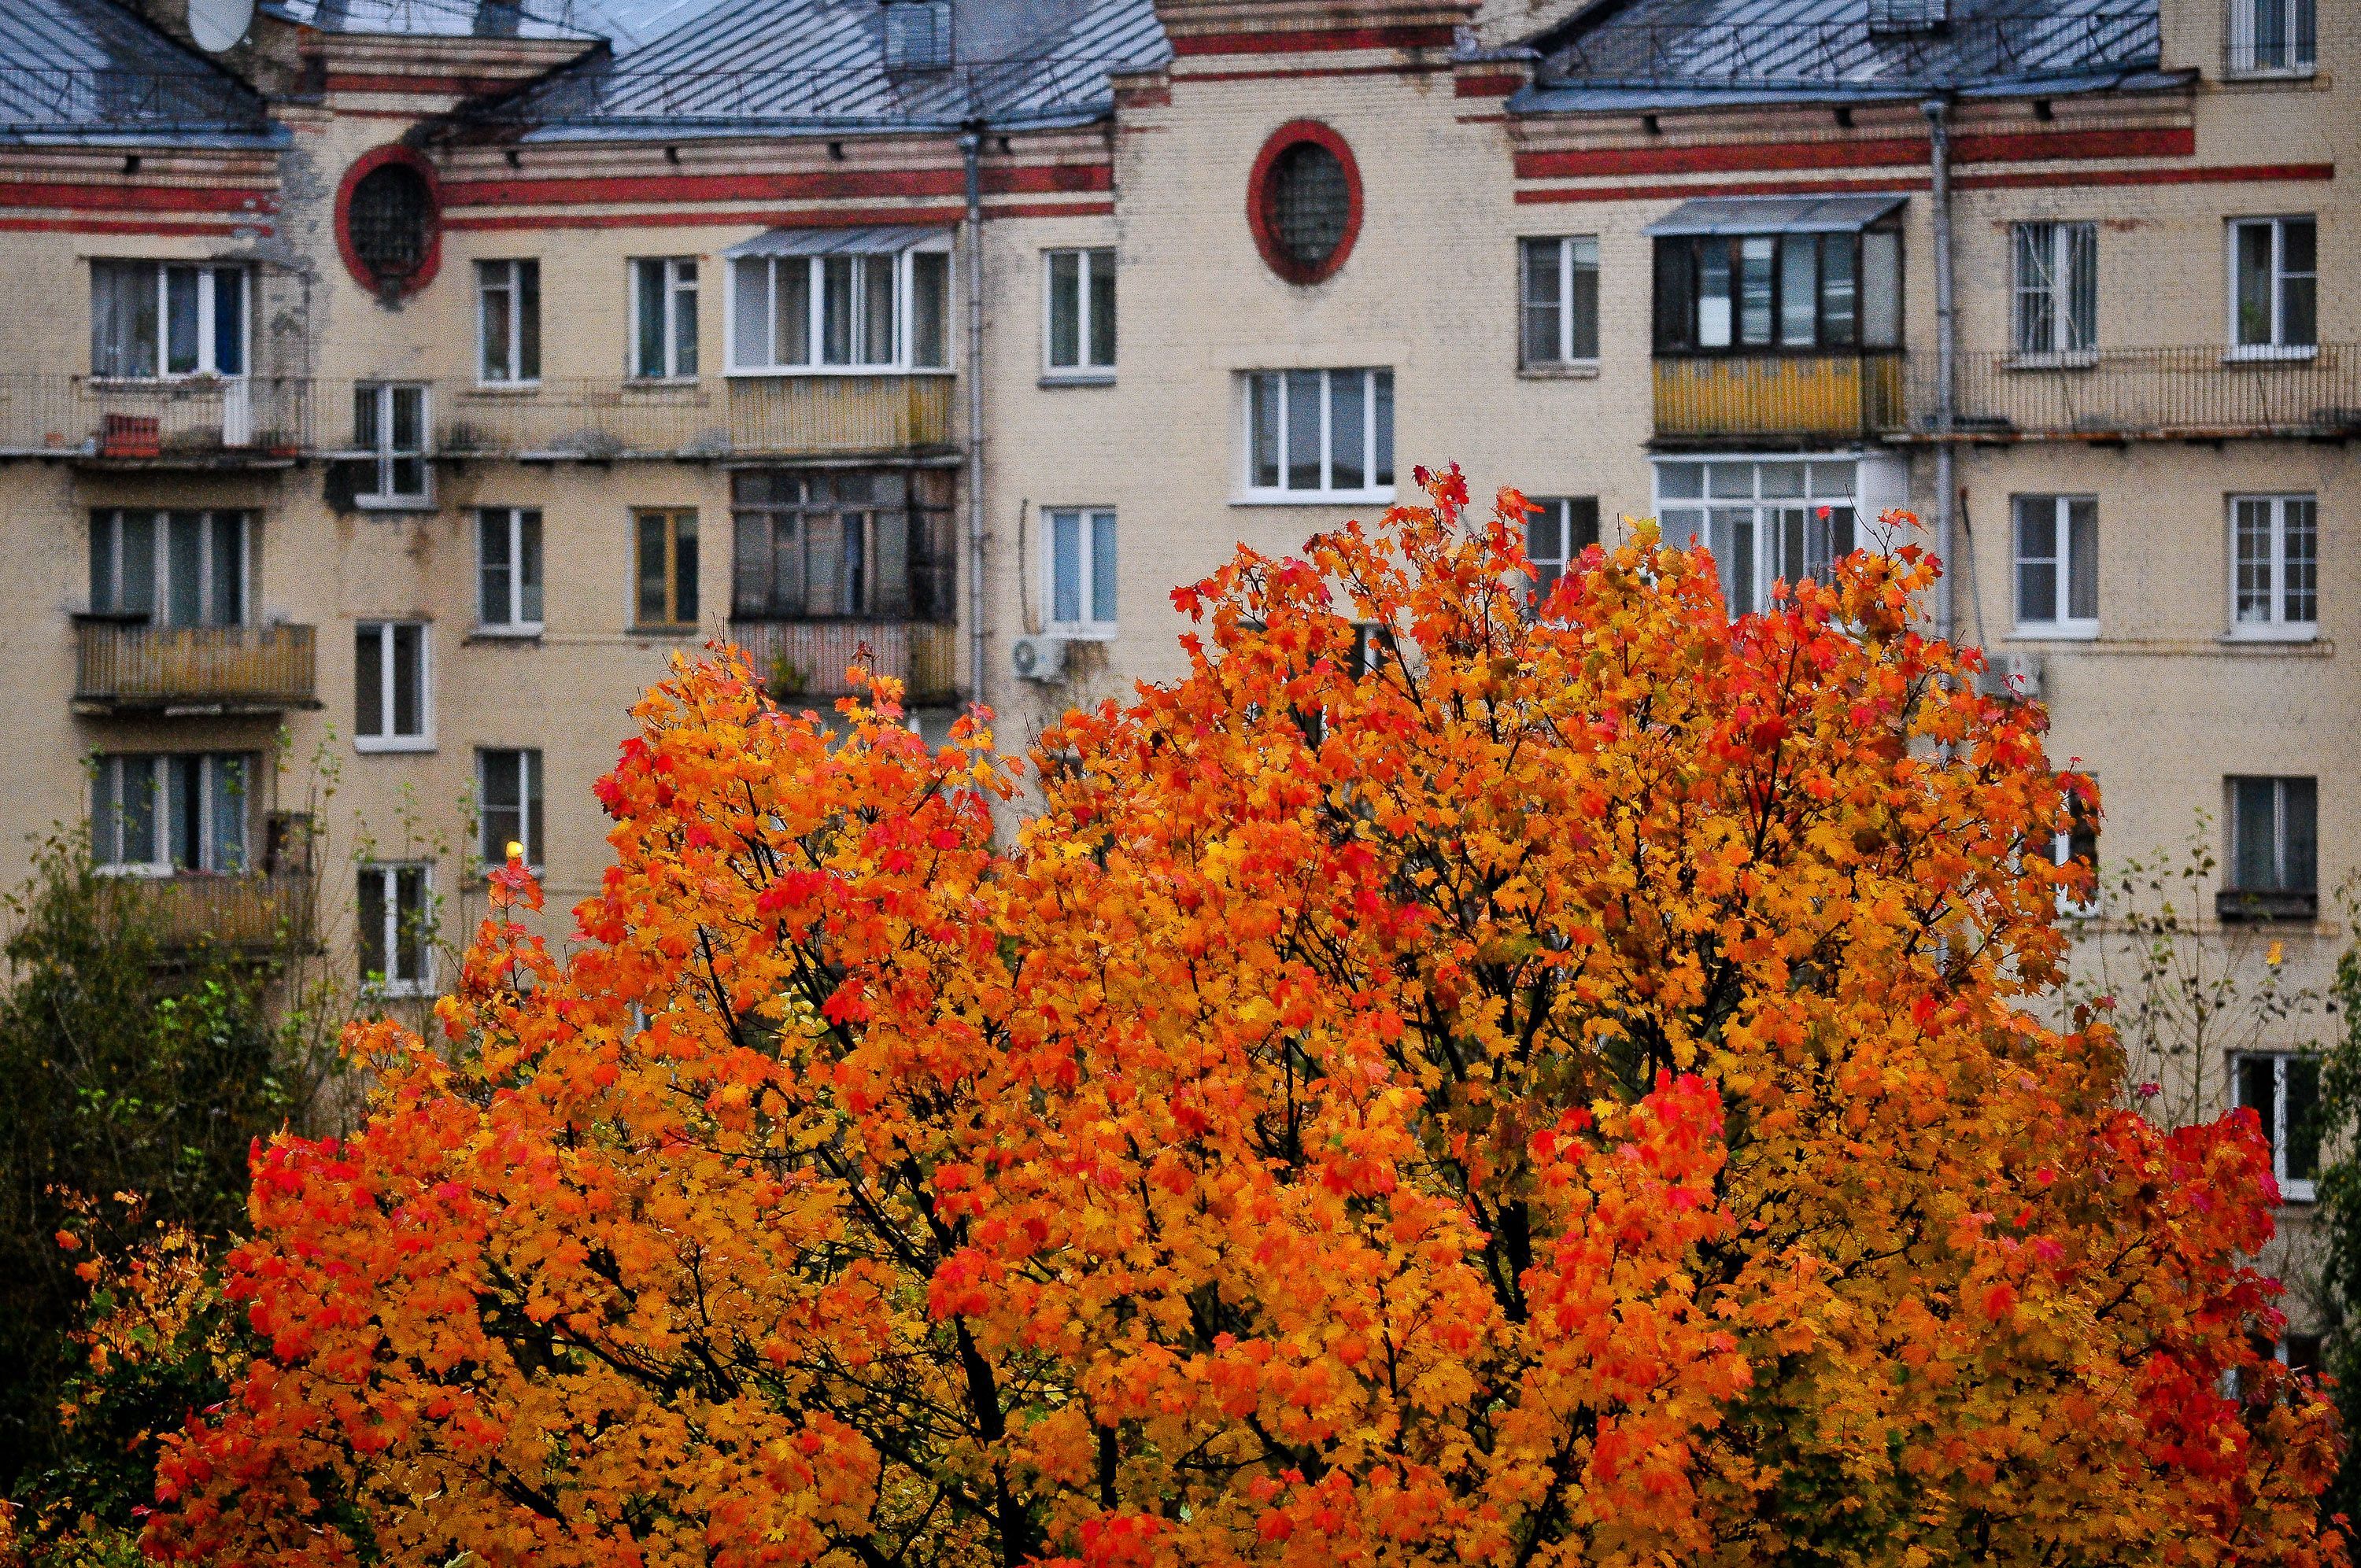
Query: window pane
[
  {"x": 2302, "y": 1077},
  {"x": 2253, "y": 245},
  {"x": 684, "y": 568},
  {"x": 1836, "y": 300},
  {"x": 229, "y": 320},
  {"x": 1103, "y": 309},
  {"x": 2082, "y": 560},
  {"x": 2250, "y": 584},
  {"x": 1347, "y": 429},
  {"x": 138, "y": 811},
  {"x": 1065, "y": 309},
  {"x": 1382, "y": 462},
  {"x": 226, "y": 851},
  {"x": 877, "y": 345},
  {"x": 795, "y": 340},
  {"x": 138, "y": 589},
  {"x": 368, "y": 679},
  {"x": 1676, "y": 302},
  {"x": 1304, "y": 390},
  {"x": 1756, "y": 255},
  {"x": 1731, "y": 539},
  {"x": 1680, "y": 480},
  {"x": 749, "y": 311},
  {"x": 503, "y": 822},
  {"x": 365, "y": 401},
  {"x": 2298, "y": 286},
  {"x": 1798, "y": 290},
  {"x": 372, "y": 926},
  {"x": 2253, "y": 827},
  {"x": 1880, "y": 288},
  {"x": 1066, "y": 567},
  {"x": 1582, "y": 306},
  {"x": 409, "y": 925},
  {"x": 930, "y": 307},
  {"x": 1713, "y": 293},
  {"x": 103, "y": 598},
  {"x": 684, "y": 319},
  {"x": 498, "y": 351},
  {"x": 2082, "y": 322},
  {"x": 836, "y": 310},
  {"x": 2300, "y": 805},
  {"x": 648, "y": 343},
  {"x": 1263, "y": 421},
  {"x": 2300, "y": 589},
  {"x": 123, "y": 318},
  {"x": 409, "y": 418},
  {"x": 2259, "y": 1091},
  {"x": 2037, "y": 559},
  {"x": 408, "y": 681},
  {"x": 1102, "y": 562},
  {"x": 493, "y": 568},
  {"x": 227, "y": 606},
  {"x": 529, "y": 764},
  {"x": 105, "y": 813},
  {"x": 184, "y": 804},
  {"x": 651, "y": 610},
  {"x": 2036, "y": 302},
  {"x": 1543, "y": 319},
  {"x": 528, "y": 321},
  {"x": 184, "y": 556},
  {"x": 528, "y": 568},
  {"x": 181, "y": 325}
]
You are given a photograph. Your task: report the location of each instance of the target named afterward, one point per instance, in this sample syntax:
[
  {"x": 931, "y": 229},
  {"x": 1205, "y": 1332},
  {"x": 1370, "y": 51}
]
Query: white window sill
[
  {"x": 2271, "y": 73},
  {"x": 394, "y": 503},
  {"x": 1560, "y": 370},
  {"x": 398, "y": 744},
  {"x": 2269, "y": 353},
  {"x": 196, "y": 378},
  {"x": 139, "y": 871},
  {"x": 1078, "y": 378},
  {"x": 797, "y": 372},
  {"x": 2297, "y": 1192},
  {"x": 506, "y": 633},
  {"x": 505, "y": 389},
  {"x": 2059, "y": 631},
  {"x": 658, "y": 383},
  {"x": 401, "y": 990},
  {"x": 2270, "y": 634},
  {"x": 1313, "y": 498}
]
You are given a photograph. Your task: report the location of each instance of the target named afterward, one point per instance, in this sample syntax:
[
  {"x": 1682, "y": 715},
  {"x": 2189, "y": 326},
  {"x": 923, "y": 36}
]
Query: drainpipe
[
  {"x": 972, "y": 147},
  {"x": 1938, "y": 129}
]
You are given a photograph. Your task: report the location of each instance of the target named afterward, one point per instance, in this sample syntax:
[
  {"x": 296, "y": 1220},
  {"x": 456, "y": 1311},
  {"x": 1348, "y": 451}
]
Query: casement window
[
  {"x": 1765, "y": 522},
  {"x": 2056, "y": 540},
  {"x": 1079, "y": 305},
  {"x": 1079, "y": 595},
  {"x": 508, "y": 571},
  {"x": 814, "y": 544},
  {"x": 877, "y": 310},
  {"x": 508, "y": 789},
  {"x": 1556, "y": 536},
  {"x": 2056, "y": 291},
  {"x": 1320, "y": 435},
  {"x": 2274, "y": 862},
  {"x": 508, "y": 312},
  {"x": 2274, "y": 287},
  {"x": 182, "y": 812},
  {"x": 1756, "y": 293},
  {"x": 2274, "y": 566},
  {"x": 663, "y": 318},
  {"x": 396, "y": 930},
  {"x": 1559, "y": 304},
  {"x": 175, "y": 568},
  {"x": 150, "y": 319},
  {"x": 2273, "y": 37},
  {"x": 2283, "y": 1091},
  {"x": 2076, "y": 844},
  {"x": 393, "y": 687},
  {"x": 390, "y": 430},
  {"x": 664, "y": 578}
]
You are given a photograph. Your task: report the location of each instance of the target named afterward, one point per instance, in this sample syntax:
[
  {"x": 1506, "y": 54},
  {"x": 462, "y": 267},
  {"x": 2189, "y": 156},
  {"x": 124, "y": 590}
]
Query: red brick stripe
[
  {"x": 1878, "y": 152},
  {"x": 136, "y": 198}
]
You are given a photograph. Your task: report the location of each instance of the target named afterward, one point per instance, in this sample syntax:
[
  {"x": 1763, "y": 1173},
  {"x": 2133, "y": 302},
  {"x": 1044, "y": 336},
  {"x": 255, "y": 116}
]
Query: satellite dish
[{"x": 217, "y": 25}]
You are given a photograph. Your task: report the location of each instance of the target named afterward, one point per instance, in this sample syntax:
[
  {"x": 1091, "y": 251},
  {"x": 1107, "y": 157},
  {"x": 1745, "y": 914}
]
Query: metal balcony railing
[
  {"x": 132, "y": 668},
  {"x": 249, "y": 913},
  {"x": 1778, "y": 395},
  {"x": 806, "y": 661},
  {"x": 199, "y": 420},
  {"x": 2188, "y": 393}
]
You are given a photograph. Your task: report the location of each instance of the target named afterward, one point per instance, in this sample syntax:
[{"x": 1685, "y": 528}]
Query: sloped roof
[
  {"x": 1626, "y": 54},
  {"x": 87, "y": 70},
  {"x": 776, "y": 65},
  {"x": 624, "y": 25}
]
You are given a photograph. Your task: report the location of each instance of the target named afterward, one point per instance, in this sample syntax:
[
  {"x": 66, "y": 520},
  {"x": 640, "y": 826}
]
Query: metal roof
[
  {"x": 774, "y": 65},
  {"x": 625, "y": 25},
  {"x": 1774, "y": 215},
  {"x": 1624, "y": 54},
  {"x": 876, "y": 240},
  {"x": 88, "y": 70}
]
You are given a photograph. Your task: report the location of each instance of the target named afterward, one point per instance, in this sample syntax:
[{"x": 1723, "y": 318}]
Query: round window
[
  {"x": 1305, "y": 206},
  {"x": 389, "y": 225}
]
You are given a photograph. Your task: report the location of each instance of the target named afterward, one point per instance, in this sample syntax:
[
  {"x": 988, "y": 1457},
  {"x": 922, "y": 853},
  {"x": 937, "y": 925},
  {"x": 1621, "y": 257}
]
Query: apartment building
[{"x": 393, "y": 385}]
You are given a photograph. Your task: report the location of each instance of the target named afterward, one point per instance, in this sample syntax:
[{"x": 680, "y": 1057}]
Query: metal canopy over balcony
[{"x": 130, "y": 667}]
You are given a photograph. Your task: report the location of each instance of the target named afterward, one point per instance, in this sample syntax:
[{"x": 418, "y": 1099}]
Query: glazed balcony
[
  {"x": 245, "y": 913},
  {"x": 804, "y": 662},
  {"x": 749, "y": 417},
  {"x": 198, "y": 422},
  {"x": 125, "y": 667},
  {"x": 2145, "y": 394},
  {"x": 1781, "y": 396}
]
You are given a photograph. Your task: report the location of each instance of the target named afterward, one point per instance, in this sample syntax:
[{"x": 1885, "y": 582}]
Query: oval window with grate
[
  {"x": 389, "y": 226},
  {"x": 1306, "y": 202}
]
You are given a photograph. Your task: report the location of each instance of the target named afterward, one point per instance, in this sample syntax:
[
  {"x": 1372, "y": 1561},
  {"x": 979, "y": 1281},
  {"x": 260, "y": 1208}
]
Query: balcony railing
[
  {"x": 1778, "y": 395},
  {"x": 784, "y": 416},
  {"x": 129, "y": 667},
  {"x": 805, "y": 660},
  {"x": 199, "y": 421},
  {"x": 2120, "y": 394},
  {"x": 243, "y": 912}
]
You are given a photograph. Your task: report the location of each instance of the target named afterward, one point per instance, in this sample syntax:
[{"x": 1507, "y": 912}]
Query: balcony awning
[
  {"x": 880, "y": 240},
  {"x": 1775, "y": 214}
]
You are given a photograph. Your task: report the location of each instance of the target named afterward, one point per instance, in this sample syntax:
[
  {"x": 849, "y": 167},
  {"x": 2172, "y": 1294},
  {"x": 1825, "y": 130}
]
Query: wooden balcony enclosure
[
  {"x": 804, "y": 662},
  {"x": 133, "y": 668},
  {"x": 768, "y": 416},
  {"x": 249, "y": 913},
  {"x": 1781, "y": 396}
]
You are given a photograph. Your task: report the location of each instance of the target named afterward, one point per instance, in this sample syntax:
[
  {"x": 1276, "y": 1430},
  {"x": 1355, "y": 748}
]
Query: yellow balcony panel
[
  {"x": 195, "y": 670},
  {"x": 1779, "y": 395},
  {"x": 838, "y": 415}
]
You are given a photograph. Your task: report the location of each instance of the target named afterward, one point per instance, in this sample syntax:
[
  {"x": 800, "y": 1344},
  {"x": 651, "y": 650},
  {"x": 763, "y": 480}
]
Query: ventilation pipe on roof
[
  {"x": 972, "y": 150},
  {"x": 1939, "y": 127}
]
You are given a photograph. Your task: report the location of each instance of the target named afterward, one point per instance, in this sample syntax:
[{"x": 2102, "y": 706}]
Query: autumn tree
[{"x": 1448, "y": 1080}]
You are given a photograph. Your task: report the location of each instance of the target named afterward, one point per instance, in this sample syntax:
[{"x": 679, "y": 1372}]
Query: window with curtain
[
  {"x": 2274, "y": 285},
  {"x": 396, "y": 928},
  {"x": 663, "y": 318},
  {"x": 1079, "y": 596},
  {"x": 1559, "y": 285},
  {"x": 2274, "y": 565},
  {"x": 152, "y": 319},
  {"x": 508, "y": 570},
  {"x": 508, "y": 798},
  {"x": 2273, "y": 37},
  {"x": 508, "y": 306},
  {"x": 882, "y": 311},
  {"x": 176, "y": 811},
  {"x": 175, "y": 568},
  {"x": 663, "y": 549},
  {"x": 1078, "y": 306}
]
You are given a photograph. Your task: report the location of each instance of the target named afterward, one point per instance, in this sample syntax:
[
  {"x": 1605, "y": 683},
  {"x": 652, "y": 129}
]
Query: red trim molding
[
  {"x": 1878, "y": 152},
  {"x": 136, "y": 198},
  {"x": 375, "y": 159},
  {"x": 2063, "y": 178},
  {"x": 1314, "y": 40},
  {"x": 1259, "y": 196},
  {"x": 1491, "y": 84}
]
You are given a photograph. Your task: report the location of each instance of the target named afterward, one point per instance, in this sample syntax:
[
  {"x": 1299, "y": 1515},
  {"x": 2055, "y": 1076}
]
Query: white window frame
[
  {"x": 2282, "y": 872},
  {"x": 388, "y": 874},
  {"x": 904, "y": 317},
  {"x": 114, "y": 763},
  {"x": 681, "y": 276},
  {"x": 2291, "y": 1189},
  {"x": 1088, "y": 260},
  {"x": 1687, "y": 519},
  {"x": 2055, "y": 294},
  {"x": 2301, "y": 49},
  {"x": 1252, "y": 494},
  {"x": 2061, "y": 852},
  {"x": 207, "y": 348},
  {"x": 2277, "y": 513},
  {"x": 2274, "y": 349},
  {"x": 382, "y": 457},
  {"x": 1574, "y": 252},
  {"x": 506, "y": 276},
  {"x": 1090, "y": 625},
  {"x": 388, "y": 741},
  {"x": 510, "y": 521},
  {"x": 2062, "y": 624},
  {"x": 533, "y": 786}
]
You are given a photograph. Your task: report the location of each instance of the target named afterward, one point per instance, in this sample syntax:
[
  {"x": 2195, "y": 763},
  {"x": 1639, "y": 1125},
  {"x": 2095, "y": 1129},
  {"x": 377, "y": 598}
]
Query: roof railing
[
  {"x": 1823, "y": 54},
  {"x": 49, "y": 97}
]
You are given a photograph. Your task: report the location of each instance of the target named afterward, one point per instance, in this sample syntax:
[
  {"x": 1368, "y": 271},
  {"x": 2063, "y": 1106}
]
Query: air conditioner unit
[
  {"x": 2013, "y": 677},
  {"x": 1038, "y": 658}
]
